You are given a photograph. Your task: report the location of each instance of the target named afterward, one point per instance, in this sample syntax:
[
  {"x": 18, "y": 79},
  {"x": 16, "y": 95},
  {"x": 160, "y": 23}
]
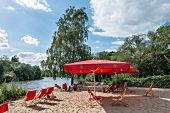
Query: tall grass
[{"x": 12, "y": 92}]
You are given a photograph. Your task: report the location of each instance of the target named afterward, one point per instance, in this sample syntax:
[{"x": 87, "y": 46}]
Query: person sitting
[
  {"x": 80, "y": 85},
  {"x": 105, "y": 86},
  {"x": 74, "y": 87}
]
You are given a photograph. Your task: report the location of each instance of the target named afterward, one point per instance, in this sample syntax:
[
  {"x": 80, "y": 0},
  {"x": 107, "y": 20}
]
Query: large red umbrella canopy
[
  {"x": 133, "y": 71},
  {"x": 100, "y": 66},
  {"x": 97, "y": 67}
]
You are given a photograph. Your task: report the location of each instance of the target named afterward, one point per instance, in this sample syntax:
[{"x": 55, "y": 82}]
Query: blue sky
[{"x": 27, "y": 26}]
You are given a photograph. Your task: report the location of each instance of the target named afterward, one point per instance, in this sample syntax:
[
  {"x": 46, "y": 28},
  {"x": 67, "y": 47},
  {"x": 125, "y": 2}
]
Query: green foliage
[
  {"x": 37, "y": 72},
  {"x": 1, "y": 72},
  {"x": 11, "y": 92},
  {"x": 89, "y": 77},
  {"x": 2, "y": 97},
  {"x": 15, "y": 59},
  {"x": 159, "y": 81},
  {"x": 145, "y": 52},
  {"x": 6, "y": 65},
  {"x": 18, "y": 71},
  {"x": 9, "y": 76}
]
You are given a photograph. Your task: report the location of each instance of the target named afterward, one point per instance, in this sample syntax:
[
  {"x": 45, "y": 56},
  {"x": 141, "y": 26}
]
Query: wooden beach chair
[
  {"x": 118, "y": 100},
  {"x": 149, "y": 90},
  {"x": 29, "y": 96},
  {"x": 41, "y": 95},
  {"x": 4, "y": 107},
  {"x": 94, "y": 98}
]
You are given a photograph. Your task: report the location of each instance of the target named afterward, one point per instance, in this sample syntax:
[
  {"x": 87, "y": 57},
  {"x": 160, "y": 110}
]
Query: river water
[{"x": 43, "y": 83}]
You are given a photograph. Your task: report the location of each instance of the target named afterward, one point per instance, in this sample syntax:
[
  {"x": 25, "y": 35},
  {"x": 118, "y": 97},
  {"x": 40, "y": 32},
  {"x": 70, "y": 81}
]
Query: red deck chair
[
  {"x": 4, "y": 107},
  {"x": 95, "y": 98},
  {"x": 121, "y": 86},
  {"x": 41, "y": 94},
  {"x": 57, "y": 86},
  {"x": 65, "y": 86},
  {"x": 50, "y": 92},
  {"x": 149, "y": 90},
  {"x": 111, "y": 88},
  {"x": 75, "y": 87},
  {"x": 29, "y": 96}
]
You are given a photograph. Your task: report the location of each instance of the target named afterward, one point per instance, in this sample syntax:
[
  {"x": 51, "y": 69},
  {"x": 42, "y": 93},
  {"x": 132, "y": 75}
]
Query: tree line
[
  {"x": 145, "y": 52},
  {"x": 15, "y": 70}
]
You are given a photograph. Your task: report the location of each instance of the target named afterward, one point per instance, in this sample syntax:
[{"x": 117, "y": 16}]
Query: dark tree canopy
[{"x": 15, "y": 59}]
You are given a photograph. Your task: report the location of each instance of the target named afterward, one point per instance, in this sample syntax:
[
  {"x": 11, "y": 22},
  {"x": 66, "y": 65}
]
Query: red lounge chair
[
  {"x": 110, "y": 89},
  {"x": 65, "y": 86},
  {"x": 75, "y": 87},
  {"x": 41, "y": 94},
  {"x": 50, "y": 92},
  {"x": 29, "y": 96},
  {"x": 4, "y": 107},
  {"x": 57, "y": 86},
  {"x": 149, "y": 90},
  {"x": 121, "y": 85},
  {"x": 95, "y": 98}
]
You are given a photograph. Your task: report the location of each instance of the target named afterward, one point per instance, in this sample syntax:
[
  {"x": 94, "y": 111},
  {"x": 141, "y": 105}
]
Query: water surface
[{"x": 43, "y": 83}]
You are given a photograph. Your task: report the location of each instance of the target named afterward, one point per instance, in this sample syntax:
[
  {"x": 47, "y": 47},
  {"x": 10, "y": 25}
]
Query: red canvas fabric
[
  {"x": 30, "y": 95},
  {"x": 4, "y": 107},
  {"x": 97, "y": 66}
]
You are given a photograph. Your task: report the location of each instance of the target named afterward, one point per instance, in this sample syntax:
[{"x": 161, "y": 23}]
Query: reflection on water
[{"x": 44, "y": 83}]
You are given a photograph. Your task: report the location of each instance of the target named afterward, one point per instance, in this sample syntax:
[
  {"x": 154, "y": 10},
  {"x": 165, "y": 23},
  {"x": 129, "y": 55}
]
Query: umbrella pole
[{"x": 94, "y": 83}]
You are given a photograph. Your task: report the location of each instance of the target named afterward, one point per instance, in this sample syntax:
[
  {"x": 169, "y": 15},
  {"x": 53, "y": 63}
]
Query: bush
[
  {"x": 89, "y": 77},
  {"x": 159, "y": 81},
  {"x": 11, "y": 92}
]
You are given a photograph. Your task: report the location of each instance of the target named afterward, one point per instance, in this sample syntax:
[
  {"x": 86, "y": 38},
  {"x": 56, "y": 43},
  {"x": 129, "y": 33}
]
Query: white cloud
[
  {"x": 118, "y": 42},
  {"x": 10, "y": 8},
  {"x": 35, "y": 4},
  {"x": 91, "y": 29},
  {"x": 3, "y": 40},
  {"x": 109, "y": 50},
  {"x": 97, "y": 41},
  {"x": 31, "y": 58},
  {"x": 121, "y": 18},
  {"x": 29, "y": 40},
  {"x": 97, "y": 47}
]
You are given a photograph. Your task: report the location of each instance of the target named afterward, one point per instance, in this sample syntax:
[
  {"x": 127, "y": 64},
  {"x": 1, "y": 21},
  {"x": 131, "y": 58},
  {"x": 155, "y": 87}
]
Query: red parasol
[{"x": 97, "y": 66}]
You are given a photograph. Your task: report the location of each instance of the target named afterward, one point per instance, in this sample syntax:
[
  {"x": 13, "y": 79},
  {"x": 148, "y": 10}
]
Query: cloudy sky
[{"x": 27, "y": 26}]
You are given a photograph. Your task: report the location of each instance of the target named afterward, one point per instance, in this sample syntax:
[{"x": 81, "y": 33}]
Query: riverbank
[{"x": 75, "y": 102}]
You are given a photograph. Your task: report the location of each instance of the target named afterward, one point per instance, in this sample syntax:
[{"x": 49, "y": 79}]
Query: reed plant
[{"x": 11, "y": 92}]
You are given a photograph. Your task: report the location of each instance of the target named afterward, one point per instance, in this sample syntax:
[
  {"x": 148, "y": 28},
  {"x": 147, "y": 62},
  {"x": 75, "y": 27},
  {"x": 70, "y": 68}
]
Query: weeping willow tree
[{"x": 68, "y": 42}]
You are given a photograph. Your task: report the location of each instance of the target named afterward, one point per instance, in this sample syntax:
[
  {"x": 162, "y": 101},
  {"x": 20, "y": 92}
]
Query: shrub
[
  {"x": 11, "y": 92},
  {"x": 159, "y": 81}
]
